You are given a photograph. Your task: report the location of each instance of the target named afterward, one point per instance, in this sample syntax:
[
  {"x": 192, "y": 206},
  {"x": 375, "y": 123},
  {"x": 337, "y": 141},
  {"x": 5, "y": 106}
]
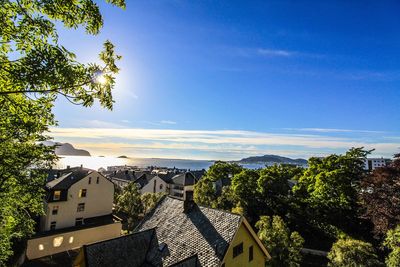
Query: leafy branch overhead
[
  {"x": 34, "y": 63},
  {"x": 34, "y": 70}
]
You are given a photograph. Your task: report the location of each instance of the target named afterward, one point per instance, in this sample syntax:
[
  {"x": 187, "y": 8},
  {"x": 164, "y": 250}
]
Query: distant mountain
[
  {"x": 123, "y": 157},
  {"x": 272, "y": 159},
  {"x": 66, "y": 149}
]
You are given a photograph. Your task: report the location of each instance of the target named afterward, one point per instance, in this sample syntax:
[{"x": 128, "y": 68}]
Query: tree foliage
[
  {"x": 350, "y": 252},
  {"x": 328, "y": 189},
  {"x": 392, "y": 242},
  {"x": 283, "y": 246},
  {"x": 205, "y": 191},
  {"x": 35, "y": 69},
  {"x": 380, "y": 197},
  {"x": 149, "y": 200},
  {"x": 130, "y": 203}
]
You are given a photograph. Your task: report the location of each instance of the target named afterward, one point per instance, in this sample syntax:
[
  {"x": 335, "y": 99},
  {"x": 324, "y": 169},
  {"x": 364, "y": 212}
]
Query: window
[
  {"x": 71, "y": 239},
  {"x": 41, "y": 247},
  {"x": 82, "y": 193},
  {"x": 237, "y": 250},
  {"x": 81, "y": 207},
  {"x": 55, "y": 210},
  {"x": 250, "y": 253},
  {"x": 154, "y": 187},
  {"x": 90, "y": 180},
  {"x": 97, "y": 179},
  {"x": 161, "y": 186},
  {"x": 57, "y": 195},
  {"x": 57, "y": 241},
  {"x": 53, "y": 225},
  {"x": 78, "y": 221}
]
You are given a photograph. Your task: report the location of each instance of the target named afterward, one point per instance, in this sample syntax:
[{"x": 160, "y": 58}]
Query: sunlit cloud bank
[{"x": 214, "y": 144}]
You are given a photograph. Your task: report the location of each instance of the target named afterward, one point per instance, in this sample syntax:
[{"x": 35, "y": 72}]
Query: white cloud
[
  {"x": 218, "y": 141},
  {"x": 330, "y": 130},
  {"x": 167, "y": 122},
  {"x": 275, "y": 52}
]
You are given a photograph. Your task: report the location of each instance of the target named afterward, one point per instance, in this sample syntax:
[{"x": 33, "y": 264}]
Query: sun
[{"x": 101, "y": 79}]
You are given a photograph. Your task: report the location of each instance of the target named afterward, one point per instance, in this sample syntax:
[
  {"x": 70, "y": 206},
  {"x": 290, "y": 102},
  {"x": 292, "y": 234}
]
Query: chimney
[
  {"x": 58, "y": 174},
  {"x": 68, "y": 167},
  {"x": 188, "y": 202}
]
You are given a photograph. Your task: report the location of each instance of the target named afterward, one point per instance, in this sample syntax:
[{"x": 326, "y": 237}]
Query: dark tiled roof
[
  {"x": 124, "y": 175},
  {"x": 202, "y": 231},
  {"x": 142, "y": 181},
  {"x": 198, "y": 174},
  {"x": 167, "y": 177},
  {"x": 134, "y": 250},
  {"x": 68, "y": 177},
  {"x": 186, "y": 178}
]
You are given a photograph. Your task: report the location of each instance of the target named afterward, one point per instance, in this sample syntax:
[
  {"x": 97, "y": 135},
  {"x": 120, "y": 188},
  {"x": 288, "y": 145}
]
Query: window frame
[
  {"x": 54, "y": 211},
  {"x": 58, "y": 194},
  {"x": 82, "y": 193},
  {"x": 80, "y": 207},
  {"x": 80, "y": 219},
  {"x": 251, "y": 253},
  {"x": 237, "y": 250},
  {"x": 53, "y": 225}
]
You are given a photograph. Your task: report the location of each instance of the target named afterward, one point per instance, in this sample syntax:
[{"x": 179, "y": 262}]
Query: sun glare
[{"x": 101, "y": 79}]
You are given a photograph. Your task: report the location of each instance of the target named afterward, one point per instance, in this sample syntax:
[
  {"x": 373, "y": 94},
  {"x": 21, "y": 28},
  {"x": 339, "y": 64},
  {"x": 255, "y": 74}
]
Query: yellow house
[{"x": 180, "y": 233}]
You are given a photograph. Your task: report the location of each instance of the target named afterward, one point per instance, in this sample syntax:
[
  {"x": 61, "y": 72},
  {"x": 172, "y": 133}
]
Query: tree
[
  {"x": 206, "y": 191},
  {"x": 350, "y": 252},
  {"x": 328, "y": 189},
  {"x": 34, "y": 70},
  {"x": 244, "y": 187},
  {"x": 273, "y": 186},
  {"x": 380, "y": 199},
  {"x": 130, "y": 202},
  {"x": 283, "y": 246},
  {"x": 150, "y": 200},
  {"x": 392, "y": 242}
]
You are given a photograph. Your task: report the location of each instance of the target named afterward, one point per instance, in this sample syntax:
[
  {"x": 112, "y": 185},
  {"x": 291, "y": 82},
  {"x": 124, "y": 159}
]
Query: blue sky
[{"x": 228, "y": 79}]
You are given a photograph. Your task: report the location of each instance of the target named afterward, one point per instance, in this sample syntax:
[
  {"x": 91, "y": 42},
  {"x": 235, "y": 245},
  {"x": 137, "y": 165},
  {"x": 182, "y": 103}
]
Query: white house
[
  {"x": 373, "y": 163},
  {"x": 78, "y": 209},
  {"x": 76, "y": 195},
  {"x": 155, "y": 185}
]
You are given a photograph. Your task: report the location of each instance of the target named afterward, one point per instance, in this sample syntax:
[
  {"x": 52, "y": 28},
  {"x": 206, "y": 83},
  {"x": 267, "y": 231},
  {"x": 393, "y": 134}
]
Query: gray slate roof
[
  {"x": 202, "y": 231},
  {"x": 134, "y": 250},
  {"x": 186, "y": 178},
  {"x": 68, "y": 177}
]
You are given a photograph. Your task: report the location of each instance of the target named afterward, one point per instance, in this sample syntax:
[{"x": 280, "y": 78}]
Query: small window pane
[
  {"x": 237, "y": 250},
  {"x": 57, "y": 195},
  {"x": 55, "y": 210},
  {"x": 82, "y": 193},
  {"x": 81, "y": 207},
  {"x": 251, "y": 253}
]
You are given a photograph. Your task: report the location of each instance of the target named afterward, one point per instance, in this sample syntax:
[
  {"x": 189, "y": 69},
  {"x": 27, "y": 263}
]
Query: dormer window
[
  {"x": 97, "y": 180},
  {"x": 57, "y": 195}
]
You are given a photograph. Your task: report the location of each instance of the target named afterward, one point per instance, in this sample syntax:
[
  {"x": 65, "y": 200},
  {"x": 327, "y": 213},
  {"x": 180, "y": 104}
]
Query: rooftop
[{"x": 202, "y": 231}]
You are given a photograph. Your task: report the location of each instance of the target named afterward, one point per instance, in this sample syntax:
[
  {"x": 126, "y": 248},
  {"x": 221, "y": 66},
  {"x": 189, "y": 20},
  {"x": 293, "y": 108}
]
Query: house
[
  {"x": 180, "y": 233},
  {"x": 182, "y": 183},
  {"x": 373, "y": 163},
  {"x": 77, "y": 194},
  {"x": 78, "y": 210},
  {"x": 155, "y": 184}
]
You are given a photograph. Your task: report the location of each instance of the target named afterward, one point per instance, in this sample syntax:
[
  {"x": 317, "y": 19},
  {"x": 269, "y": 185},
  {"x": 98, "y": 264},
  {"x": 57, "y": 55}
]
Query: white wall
[
  {"x": 149, "y": 187},
  {"x": 98, "y": 201},
  {"x": 43, "y": 246}
]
